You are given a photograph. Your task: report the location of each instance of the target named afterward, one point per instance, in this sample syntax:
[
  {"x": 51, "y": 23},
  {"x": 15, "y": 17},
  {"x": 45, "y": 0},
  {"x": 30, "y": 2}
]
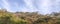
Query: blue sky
[{"x": 42, "y": 6}]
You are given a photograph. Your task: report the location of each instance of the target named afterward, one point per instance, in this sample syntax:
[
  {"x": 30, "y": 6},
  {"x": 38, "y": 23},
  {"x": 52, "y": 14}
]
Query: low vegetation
[{"x": 28, "y": 18}]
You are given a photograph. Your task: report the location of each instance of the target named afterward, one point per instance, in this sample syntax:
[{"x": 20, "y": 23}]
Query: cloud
[
  {"x": 6, "y": 5},
  {"x": 43, "y": 6},
  {"x": 16, "y": 4},
  {"x": 38, "y": 5},
  {"x": 30, "y": 6}
]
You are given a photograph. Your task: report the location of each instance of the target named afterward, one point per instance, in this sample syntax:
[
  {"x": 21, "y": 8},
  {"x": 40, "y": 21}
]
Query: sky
[{"x": 42, "y": 6}]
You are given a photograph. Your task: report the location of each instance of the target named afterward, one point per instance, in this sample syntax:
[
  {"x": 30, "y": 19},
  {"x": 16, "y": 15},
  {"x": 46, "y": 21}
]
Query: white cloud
[
  {"x": 6, "y": 5},
  {"x": 16, "y": 4},
  {"x": 45, "y": 6},
  {"x": 29, "y": 4}
]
